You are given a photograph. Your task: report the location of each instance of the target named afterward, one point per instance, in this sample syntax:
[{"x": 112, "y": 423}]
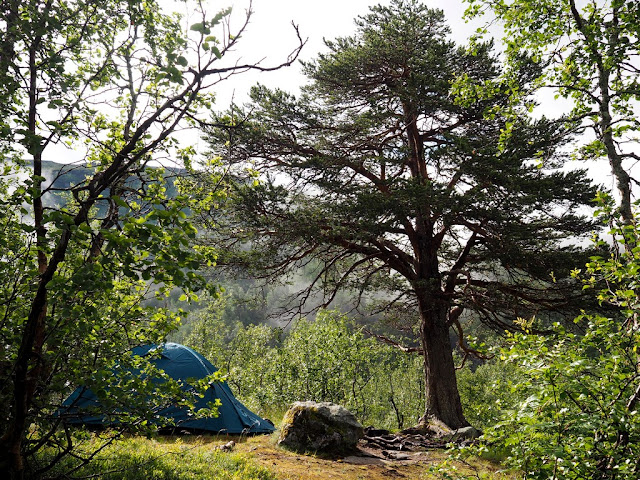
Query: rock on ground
[
  {"x": 319, "y": 427},
  {"x": 465, "y": 434}
]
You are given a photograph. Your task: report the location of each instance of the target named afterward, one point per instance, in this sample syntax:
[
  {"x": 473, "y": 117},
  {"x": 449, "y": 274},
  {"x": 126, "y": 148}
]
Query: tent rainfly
[{"x": 180, "y": 363}]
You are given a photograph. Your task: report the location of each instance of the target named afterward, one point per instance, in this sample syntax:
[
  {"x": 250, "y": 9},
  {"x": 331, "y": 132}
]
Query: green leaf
[
  {"x": 220, "y": 15},
  {"x": 199, "y": 27},
  {"x": 118, "y": 201}
]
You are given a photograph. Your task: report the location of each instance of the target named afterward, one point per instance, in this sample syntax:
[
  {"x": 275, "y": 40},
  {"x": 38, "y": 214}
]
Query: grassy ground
[
  {"x": 257, "y": 458},
  {"x": 163, "y": 458}
]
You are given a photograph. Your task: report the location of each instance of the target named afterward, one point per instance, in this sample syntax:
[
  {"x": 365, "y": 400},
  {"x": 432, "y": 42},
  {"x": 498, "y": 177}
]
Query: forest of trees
[{"x": 408, "y": 236}]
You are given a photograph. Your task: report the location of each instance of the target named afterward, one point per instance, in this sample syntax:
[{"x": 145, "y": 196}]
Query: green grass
[
  {"x": 155, "y": 459},
  {"x": 254, "y": 458}
]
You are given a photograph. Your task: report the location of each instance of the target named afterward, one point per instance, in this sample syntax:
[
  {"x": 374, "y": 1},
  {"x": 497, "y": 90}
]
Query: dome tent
[{"x": 180, "y": 363}]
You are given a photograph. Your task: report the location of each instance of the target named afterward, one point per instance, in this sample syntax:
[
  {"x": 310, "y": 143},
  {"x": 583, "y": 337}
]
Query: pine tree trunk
[{"x": 441, "y": 388}]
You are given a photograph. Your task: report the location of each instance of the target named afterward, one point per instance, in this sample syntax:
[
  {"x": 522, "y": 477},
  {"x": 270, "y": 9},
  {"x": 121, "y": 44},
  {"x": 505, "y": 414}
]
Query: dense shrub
[
  {"x": 486, "y": 391},
  {"x": 328, "y": 359},
  {"x": 332, "y": 359},
  {"x": 578, "y": 419},
  {"x": 581, "y": 391}
]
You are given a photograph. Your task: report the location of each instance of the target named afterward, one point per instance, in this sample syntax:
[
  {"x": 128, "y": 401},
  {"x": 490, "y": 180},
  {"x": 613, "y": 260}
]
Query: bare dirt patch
[
  {"x": 366, "y": 463},
  {"x": 291, "y": 466},
  {"x": 369, "y": 462}
]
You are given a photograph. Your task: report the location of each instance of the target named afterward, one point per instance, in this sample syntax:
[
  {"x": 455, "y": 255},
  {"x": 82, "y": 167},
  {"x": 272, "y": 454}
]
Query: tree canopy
[
  {"x": 114, "y": 81},
  {"x": 392, "y": 184},
  {"x": 587, "y": 52}
]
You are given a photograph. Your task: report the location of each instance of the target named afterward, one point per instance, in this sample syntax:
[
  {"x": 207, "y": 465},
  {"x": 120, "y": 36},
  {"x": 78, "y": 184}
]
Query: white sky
[{"x": 271, "y": 36}]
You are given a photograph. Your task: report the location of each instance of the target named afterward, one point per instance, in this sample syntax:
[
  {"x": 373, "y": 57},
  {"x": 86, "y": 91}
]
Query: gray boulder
[
  {"x": 319, "y": 427},
  {"x": 465, "y": 434}
]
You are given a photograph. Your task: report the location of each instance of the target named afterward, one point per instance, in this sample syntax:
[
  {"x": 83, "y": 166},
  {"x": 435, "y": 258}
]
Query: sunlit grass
[
  {"x": 257, "y": 458},
  {"x": 169, "y": 459}
]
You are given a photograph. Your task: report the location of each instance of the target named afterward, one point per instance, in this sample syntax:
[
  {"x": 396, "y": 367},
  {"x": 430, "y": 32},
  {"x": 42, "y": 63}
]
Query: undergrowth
[{"x": 144, "y": 459}]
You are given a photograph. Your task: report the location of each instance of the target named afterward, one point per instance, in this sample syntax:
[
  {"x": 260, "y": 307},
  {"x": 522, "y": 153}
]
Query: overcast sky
[
  {"x": 271, "y": 36},
  {"x": 269, "y": 39}
]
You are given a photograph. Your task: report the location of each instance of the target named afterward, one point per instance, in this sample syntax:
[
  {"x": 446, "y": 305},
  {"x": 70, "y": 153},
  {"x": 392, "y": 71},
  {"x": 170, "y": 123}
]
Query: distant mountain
[{"x": 60, "y": 178}]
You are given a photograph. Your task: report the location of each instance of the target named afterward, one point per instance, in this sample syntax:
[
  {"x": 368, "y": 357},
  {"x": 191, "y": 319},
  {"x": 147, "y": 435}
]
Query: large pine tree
[{"x": 380, "y": 174}]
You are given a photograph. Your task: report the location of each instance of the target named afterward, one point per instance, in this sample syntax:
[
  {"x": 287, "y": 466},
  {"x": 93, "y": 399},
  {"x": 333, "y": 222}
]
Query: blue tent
[{"x": 180, "y": 363}]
